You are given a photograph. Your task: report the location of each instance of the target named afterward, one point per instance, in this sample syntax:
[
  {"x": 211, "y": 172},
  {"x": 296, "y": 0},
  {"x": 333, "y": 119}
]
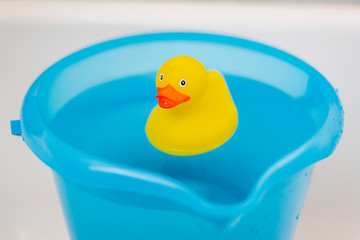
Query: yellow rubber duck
[{"x": 195, "y": 113}]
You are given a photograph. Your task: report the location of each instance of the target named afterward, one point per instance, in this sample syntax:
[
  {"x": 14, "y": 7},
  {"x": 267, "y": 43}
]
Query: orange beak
[{"x": 169, "y": 97}]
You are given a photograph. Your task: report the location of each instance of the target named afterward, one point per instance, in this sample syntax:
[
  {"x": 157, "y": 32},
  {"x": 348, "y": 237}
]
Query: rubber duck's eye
[
  {"x": 161, "y": 77},
  {"x": 182, "y": 83}
]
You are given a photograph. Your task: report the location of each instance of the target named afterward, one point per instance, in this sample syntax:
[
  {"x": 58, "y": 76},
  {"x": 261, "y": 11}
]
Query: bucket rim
[{"x": 97, "y": 172}]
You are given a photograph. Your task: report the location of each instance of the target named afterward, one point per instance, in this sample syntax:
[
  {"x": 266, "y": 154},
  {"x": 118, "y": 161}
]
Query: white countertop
[{"x": 35, "y": 35}]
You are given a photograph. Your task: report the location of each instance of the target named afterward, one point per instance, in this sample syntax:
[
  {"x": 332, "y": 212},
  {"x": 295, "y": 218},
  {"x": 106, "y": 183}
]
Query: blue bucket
[{"x": 85, "y": 118}]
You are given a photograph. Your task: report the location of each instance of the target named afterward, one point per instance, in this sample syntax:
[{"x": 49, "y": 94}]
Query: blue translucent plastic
[{"x": 85, "y": 118}]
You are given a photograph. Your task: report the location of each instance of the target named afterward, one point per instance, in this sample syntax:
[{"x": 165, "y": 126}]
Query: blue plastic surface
[
  {"x": 85, "y": 117},
  {"x": 15, "y": 126}
]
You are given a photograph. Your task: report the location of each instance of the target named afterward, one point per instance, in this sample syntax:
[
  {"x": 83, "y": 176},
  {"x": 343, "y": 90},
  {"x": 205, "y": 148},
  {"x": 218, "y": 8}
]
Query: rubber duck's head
[{"x": 180, "y": 79}]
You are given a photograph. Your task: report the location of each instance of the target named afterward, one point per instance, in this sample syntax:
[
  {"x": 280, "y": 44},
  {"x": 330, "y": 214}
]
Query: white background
[{"x": 35, "y": 35}]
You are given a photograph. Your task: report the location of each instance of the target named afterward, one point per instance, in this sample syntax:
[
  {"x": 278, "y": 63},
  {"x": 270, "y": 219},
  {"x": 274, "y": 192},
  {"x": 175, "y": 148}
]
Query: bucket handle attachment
[{"x": 15, "y": 126}]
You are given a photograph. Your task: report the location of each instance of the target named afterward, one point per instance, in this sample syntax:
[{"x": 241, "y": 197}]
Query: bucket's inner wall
[{"x": 100, "y": 104}]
